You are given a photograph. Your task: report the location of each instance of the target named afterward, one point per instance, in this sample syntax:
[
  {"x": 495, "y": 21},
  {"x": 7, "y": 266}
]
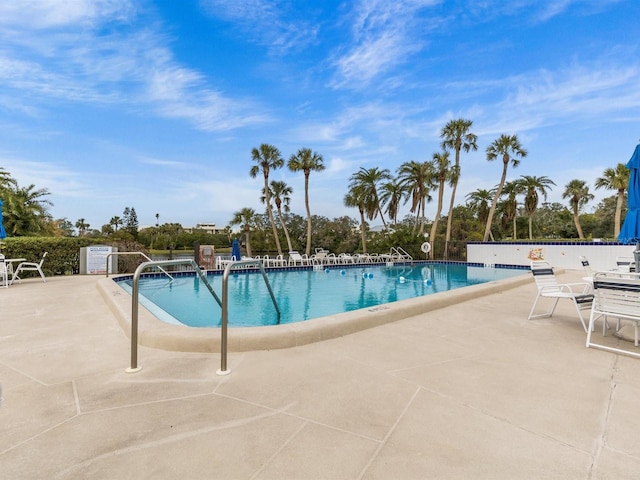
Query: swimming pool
[{"x": 304, "y": 294}]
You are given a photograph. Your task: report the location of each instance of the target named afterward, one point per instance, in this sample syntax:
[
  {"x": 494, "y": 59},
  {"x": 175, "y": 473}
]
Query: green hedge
[{"x": 63, "y": 257}]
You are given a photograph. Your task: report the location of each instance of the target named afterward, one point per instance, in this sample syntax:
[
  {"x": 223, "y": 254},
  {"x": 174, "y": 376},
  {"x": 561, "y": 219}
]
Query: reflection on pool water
[{"x": 303, "y": 294}]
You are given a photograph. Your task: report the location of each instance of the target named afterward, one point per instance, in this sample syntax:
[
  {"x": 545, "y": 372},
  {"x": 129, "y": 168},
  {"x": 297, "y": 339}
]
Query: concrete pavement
[{"x": 471, "y": 390}]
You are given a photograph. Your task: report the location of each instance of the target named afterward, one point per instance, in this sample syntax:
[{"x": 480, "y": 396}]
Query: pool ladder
[{"x": 135, "y": 290}]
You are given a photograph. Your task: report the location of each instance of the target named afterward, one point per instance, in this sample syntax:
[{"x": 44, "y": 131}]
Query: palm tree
[
  {"x": 367, "y": 179},
  {"x": 306, "y": 161},
  {"x": 512, "y": 190},
  {"x": 578, "y": 194},
  {"x": 456, "y": 136},
  {"x": 356, "y": 198},
  {"x": 441, "y": 173},
  {"x": 416, "y": 180},
  {"x": 82, "y": 226},
  {"x": 508, "y": 147},
  {"x": 478, "y": 201},
  {"x": 281, "y": 194},
  {"x": 615, "y": 179},
  {"x": 116, "y": 222},
  {"x": 391, "y": 194},
  {"x": 533, "y": 186},
  {"x": 247, "y": 219},
  {"x": 267, "y": 158},
  {"x": 26, "y": 211}
]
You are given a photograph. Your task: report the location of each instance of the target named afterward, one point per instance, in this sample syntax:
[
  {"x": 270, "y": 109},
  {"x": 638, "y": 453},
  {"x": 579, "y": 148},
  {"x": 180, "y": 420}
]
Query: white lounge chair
[
  {"x": 548, "y": 287},
  {"x": 626, "y": 264},
  {"x": 30, "y": 267},
  {"x": 4, "y": 272},
  {"x": 616, "y": 294},
  {"x": 296, "y": 258},
  {"x": 587, "y": 268}
]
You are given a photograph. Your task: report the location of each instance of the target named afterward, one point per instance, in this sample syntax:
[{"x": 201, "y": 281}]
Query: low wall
[{"x": 601, "y": 255}]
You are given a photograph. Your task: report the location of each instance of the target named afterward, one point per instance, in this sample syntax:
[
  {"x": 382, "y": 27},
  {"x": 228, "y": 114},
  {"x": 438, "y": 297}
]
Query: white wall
[{"x": 601, "y": 256}]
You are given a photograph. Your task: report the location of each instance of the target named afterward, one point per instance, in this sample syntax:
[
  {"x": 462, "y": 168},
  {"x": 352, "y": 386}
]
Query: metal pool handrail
[
  {"x": 135, "y": 289},
  {"x": 131, "y": 253},
  {"x": 225, "y": 313}
]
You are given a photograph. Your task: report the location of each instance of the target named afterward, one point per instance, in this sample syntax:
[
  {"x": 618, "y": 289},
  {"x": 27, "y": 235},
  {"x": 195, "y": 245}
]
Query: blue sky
[{"x": 156, "y": 104}]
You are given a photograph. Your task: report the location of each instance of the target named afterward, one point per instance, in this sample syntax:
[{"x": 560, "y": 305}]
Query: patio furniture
[
  {"x": 4, "y": 272},
  {"x": 296, "y": 258},
  {"x": 548, "y": 287},
  {"x": 587, "y": 268},
  {"x": 30, "y": 267},
  {"x": 616, "y": 294},
  {"x": 625, "y": 263}
]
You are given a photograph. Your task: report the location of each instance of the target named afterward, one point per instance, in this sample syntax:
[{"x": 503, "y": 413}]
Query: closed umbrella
[
  {"x": 630, "y": 231},
  {"x": 235, "y": 250},
  {"x": 3, "y": 232}
]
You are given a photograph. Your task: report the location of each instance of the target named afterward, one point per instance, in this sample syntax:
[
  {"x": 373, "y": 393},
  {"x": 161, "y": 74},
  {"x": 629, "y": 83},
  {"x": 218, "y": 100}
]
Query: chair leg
[
  {"x": 584, "y": 325},
  {"x": 542, "y": 315}
]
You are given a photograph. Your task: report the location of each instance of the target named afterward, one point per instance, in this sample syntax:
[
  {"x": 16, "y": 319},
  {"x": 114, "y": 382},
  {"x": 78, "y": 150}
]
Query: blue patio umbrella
[
  {"x": 3, "y": 232},
  {"x": 235, "y": 249},
  {"x": 630, "y": 231}
]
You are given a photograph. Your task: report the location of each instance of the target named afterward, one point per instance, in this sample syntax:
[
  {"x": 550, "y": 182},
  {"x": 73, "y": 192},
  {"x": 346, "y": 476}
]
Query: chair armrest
[{"x": 574, "y": 287}]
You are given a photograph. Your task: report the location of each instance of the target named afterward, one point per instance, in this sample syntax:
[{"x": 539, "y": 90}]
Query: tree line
[
  {"x": 375, "y": 192},
  {"x": 513, "y": 209}
]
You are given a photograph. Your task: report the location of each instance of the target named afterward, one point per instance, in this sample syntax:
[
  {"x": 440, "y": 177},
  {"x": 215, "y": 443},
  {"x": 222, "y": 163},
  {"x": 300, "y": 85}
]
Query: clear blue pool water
[{"x": 303, "y": 294}]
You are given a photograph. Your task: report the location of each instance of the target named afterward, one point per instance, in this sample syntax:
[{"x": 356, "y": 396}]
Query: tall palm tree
[
  {"x": 512, "y": 189},
  {"x": 356, "y": 198},
  {"x": 533, "y": 186},
  {"x": 578, "y": 194},
  {"x": 478, "y": 201},
  {"x": 416, "y": 180},
  {"x": 368, "y": 179},
  {"x": 441, "y": 174},
  {"x": 267, "y": 158},
  {"x": 82, "y": 226},
  {"x": 281, "y": 194},
  {"x": 247, "y": 219},
  {"x": 391, "y": 194},
  {"x": 306, "y": 161},
  {"x": 116, "y": 222},
  {"x": 508, "y": 147},
  {"x": 456, "y": 136},
  {"x": 615, "y": 179}
]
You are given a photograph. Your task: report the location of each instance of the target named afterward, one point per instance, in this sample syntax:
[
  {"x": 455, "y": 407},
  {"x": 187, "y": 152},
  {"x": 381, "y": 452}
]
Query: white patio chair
[
  {"x": 296, "y": 258},
  {"x": 587, "y": 268},
  {"x": 617, "y": 295},
  {"x": 4, "y": 272},
  {"x": 30, "y": 267},
  {"x": 625, "y": 263},
  {"x": 548, "y": 287}
]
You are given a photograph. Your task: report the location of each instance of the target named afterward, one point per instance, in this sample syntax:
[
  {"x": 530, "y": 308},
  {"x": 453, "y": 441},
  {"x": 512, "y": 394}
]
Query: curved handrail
[
  {"x": 131, "y": 253},
  {"x": 225, "y": 313},
  {"x": 135, "y": 290}
]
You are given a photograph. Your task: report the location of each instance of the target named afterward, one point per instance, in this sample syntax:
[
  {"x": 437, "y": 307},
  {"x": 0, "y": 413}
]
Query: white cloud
[{"x": 382, "y": 33}]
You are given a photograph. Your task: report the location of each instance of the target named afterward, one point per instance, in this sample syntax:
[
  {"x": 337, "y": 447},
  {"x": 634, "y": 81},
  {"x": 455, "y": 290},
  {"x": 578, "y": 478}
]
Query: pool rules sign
[{"x": 93, "y": 260}]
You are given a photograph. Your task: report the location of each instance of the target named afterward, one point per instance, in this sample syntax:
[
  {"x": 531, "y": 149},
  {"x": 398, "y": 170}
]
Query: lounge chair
[
  {"x": 587, "y": 268},
  {"x": 4, "y": 272},
  {"x": 30, "y": 267},
  {"x": 548, "y": 287},
  {"x": 616, "y": 294},
  {"x": 625, "y": 264},
  {"x": 296, "y": 258}
]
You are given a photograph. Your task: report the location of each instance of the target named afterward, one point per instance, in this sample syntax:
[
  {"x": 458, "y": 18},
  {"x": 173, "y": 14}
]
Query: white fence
[{"x": 601, "y": 255}]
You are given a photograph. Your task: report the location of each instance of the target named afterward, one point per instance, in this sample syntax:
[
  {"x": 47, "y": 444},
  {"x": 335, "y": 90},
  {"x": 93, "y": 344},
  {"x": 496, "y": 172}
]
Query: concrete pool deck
[{"x": 469, "y": 390}]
